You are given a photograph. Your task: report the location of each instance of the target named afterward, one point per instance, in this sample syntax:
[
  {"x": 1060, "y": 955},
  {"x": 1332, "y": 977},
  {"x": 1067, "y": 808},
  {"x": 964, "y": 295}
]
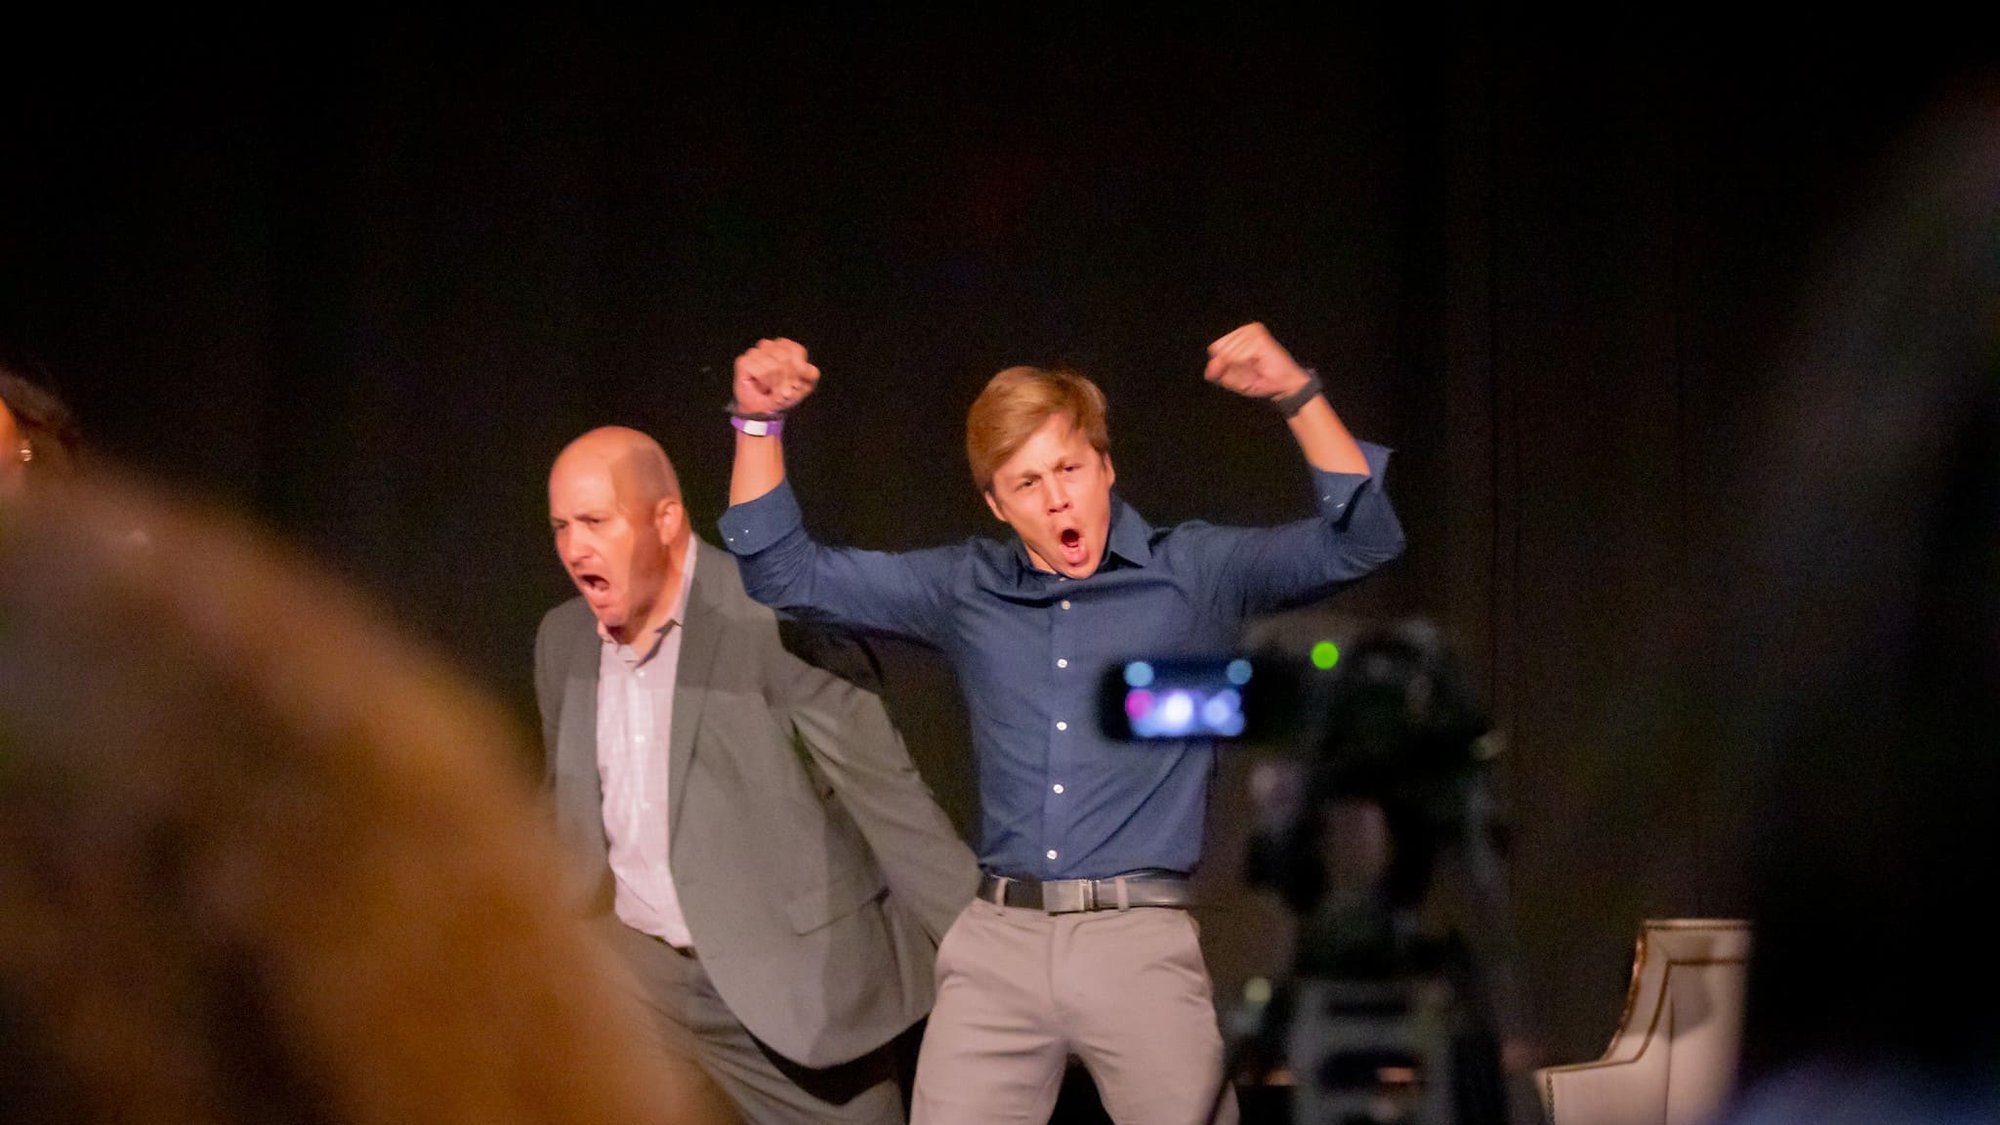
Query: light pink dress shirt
[{"x": 635, "y": 712}]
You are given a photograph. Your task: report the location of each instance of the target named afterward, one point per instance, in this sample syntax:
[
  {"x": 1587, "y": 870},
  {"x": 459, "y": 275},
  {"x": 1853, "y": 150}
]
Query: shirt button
[
  {"x": 1060, "y": 725},
  {"x": 1065, "y": 603},
  {"x": 1051, "y": 853},
  {"x": 1062, "y": 663},
  {"x": 1057, "y": 786}
]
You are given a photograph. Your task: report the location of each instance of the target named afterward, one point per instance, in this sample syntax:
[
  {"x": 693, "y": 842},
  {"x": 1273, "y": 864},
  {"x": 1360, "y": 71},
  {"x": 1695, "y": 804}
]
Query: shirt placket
[
  {"x": 645, "y": 751},
  {"x": 1060, "y": 669}
]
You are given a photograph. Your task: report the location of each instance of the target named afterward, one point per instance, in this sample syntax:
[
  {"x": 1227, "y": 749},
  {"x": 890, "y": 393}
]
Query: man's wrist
[
  {"x": 768, "y": 426},
  {"x": 756, "y": 423},
  {"x": 1289, "y": 405}
]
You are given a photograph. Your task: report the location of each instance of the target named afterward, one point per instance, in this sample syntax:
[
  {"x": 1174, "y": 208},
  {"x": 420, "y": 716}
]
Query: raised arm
[
  {"x": 1251, "y": 362},
  {"x": 782, "y": 566},
  {"x": 771, "y": 378},
  {"x": 1261, "y": 569}
]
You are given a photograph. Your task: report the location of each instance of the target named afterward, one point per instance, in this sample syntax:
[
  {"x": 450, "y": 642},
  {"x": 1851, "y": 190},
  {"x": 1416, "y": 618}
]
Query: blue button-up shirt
[{"x": 1059, "y": 798}]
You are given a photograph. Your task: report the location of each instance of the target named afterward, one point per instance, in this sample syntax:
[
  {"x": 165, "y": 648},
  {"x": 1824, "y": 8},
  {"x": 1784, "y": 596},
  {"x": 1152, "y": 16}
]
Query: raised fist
[
  {"x": 773, "y": 377},
  {"x": 1253, "y": 364}
]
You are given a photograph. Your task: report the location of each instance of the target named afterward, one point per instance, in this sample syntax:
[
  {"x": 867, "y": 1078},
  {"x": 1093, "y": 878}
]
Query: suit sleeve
[
  {"x": 548, "y": 699},
  {"x": 828, "y": 686},
  {"x": 584, "y": 883}
]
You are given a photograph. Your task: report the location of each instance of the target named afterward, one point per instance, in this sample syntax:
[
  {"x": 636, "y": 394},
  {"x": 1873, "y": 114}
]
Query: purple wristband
[{"x": 758, "y": 427}]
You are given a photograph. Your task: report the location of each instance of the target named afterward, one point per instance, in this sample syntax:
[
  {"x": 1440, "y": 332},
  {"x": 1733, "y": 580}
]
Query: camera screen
[{"x": 1184, "y": 698}]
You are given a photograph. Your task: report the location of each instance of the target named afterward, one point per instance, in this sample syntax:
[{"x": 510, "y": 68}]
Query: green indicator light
[{"x": 1325, "y": 655}]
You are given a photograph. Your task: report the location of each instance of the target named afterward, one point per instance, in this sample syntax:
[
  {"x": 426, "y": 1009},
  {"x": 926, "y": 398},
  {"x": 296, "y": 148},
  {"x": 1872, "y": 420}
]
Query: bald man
[{"x": 747, "y": 820}]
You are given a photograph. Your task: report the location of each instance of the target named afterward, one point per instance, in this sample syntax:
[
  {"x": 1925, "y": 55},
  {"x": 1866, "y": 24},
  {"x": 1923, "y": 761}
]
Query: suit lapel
[{"x": 703, "y": 626}]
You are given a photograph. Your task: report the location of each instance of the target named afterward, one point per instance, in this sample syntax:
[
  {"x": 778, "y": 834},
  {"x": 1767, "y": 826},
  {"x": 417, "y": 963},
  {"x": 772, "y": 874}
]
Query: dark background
[{"x": 365, "y": 279}]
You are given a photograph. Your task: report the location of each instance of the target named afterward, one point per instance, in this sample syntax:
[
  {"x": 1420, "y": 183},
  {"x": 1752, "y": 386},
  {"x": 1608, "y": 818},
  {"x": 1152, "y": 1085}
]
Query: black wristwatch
[{"x": 1292, "y": 403}]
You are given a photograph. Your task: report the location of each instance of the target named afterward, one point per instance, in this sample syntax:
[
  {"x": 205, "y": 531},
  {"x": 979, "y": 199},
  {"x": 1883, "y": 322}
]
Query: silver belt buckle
[{"x": 1068, "y": 896}]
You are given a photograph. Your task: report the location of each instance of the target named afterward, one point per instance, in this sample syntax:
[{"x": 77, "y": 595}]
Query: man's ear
[
  {"x": 667, "y": 517},
  {"x": 994, "y": 506}
]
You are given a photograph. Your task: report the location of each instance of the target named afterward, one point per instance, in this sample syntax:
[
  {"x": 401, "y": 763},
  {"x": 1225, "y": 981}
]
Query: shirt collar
[
  {"x": 1131, "y": 536},
  {"x": 1131, "y": 540}
]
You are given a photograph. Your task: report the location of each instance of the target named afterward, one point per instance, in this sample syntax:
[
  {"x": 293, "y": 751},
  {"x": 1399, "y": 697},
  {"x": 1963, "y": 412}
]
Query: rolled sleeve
[
  {"x": 1336, "y": 493},
  {"x": 754, "y": 525}
]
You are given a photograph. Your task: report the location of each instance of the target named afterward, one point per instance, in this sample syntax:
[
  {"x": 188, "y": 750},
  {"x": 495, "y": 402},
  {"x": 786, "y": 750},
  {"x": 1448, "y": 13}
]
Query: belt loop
[
  {"x": 1124, "y": 896},
  {"x": 1000, "y": 889}
]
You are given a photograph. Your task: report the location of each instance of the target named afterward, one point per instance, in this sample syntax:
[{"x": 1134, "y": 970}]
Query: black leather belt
[{"x": 1074, "y": 896}]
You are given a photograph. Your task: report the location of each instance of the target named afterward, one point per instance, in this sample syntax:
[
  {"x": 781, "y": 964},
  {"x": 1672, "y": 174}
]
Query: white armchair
[{"x": 1673, "y": 1058}]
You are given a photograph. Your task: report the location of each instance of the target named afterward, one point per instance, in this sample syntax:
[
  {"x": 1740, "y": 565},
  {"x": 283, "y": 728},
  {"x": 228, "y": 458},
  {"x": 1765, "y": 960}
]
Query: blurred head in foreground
[
  {"x": 38, "y": 435},
  {"x": 261, "y": 859},
  {"x": 1874, "y": 626}
]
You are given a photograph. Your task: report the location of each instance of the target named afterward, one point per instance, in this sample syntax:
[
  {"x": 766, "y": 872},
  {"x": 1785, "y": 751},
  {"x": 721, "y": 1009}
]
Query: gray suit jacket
[{"x": 815, "y": 867}]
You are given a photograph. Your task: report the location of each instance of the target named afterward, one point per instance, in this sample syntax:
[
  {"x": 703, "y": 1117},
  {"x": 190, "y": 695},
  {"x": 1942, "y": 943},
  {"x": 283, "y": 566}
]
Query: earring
[{"x": 27, "y": 452}]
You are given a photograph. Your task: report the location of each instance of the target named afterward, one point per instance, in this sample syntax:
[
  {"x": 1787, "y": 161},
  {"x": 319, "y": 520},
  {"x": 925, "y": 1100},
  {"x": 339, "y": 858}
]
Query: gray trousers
[
  {"x": 1019, "y": 991},
  {"x": 692, "y": 1022}
]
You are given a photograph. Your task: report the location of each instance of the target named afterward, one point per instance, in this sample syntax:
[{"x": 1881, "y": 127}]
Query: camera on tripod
[{"x": 1377, "y": 825}]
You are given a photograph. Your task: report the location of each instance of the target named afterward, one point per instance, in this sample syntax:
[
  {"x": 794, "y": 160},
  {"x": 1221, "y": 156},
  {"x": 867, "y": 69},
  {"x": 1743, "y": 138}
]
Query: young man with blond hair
[{"x": 1080, "y": 942}]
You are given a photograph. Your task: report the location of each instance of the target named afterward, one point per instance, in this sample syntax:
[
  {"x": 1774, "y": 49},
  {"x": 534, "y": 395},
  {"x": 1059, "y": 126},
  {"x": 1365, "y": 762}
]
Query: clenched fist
[
  {"x": 773, "y": 377},
  {"x": 1252, "y": 363}
]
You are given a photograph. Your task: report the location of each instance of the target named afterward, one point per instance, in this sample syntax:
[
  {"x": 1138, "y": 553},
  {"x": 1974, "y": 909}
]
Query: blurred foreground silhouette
[{"x": 262, "y": 859}]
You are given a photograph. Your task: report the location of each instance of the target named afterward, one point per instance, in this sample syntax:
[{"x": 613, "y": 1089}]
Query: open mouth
[
  {"x": 593, "y": 584},
  {"x": 1071, "y": 542}
]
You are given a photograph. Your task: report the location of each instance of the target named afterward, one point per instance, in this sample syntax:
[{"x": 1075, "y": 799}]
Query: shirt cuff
[
  {"x": 1335, "y": 492},
  {"x": 749, "y": 527}
]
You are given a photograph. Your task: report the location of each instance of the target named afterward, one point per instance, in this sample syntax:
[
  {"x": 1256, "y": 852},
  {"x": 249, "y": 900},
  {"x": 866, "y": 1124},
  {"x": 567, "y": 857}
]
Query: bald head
[
  {"x": 636, "y": 464},
  {"x": 620, "y": 530}
]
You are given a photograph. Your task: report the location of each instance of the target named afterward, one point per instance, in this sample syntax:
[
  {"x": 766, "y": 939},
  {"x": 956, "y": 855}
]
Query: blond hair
[{"x": 1016, "y": 403}]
